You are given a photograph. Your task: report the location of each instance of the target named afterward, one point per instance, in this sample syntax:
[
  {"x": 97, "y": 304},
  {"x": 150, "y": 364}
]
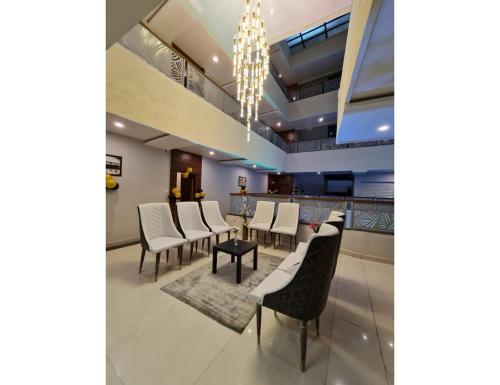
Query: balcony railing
[
  {"x": 330, "y": 144},
  {"x": 144, "y": 43},
  {"x": 368, "y": 214}
]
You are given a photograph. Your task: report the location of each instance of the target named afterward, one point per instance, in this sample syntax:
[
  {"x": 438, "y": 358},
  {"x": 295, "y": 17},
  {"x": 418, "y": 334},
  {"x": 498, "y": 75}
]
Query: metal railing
[
  {"x": 330, "y": 144},
  {"x": 144, "y": 43},
  {"x": 367, "y": 214}
]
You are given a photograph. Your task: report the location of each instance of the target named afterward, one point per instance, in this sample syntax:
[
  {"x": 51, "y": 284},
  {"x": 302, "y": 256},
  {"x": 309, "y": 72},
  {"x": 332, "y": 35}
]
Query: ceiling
[
  {"x": 376, "y": 74},
  {"x": 369, "y": 102}
]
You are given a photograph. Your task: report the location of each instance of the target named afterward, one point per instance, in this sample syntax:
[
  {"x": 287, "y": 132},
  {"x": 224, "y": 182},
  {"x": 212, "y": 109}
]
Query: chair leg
[
  {"x": 265, "y": 239},
  {"x": 257, "y": 236},
  {"x": 228, "y": 235},
  {"x": 216, "y": 239},
  {"x": 303, "y": 345},
  {"x": 208, "y": 250},
  {"x": 279, "y": 240},
  {"x": 259, "y": 319},
  {"x": 197, "y": 247},
  {"x": 191, "y": 253},
  {"x": 202, "y": 244},
  {"x": 143, "y": 253},
  {"x": 167, "y": 254},
  {"x": 317, "y": 327},
  {"x": 291, "y": 243},
  {"x": 273, "y": 236},
  {"x": 179, "y": 255},
  {"x": 157, "y": 266}
]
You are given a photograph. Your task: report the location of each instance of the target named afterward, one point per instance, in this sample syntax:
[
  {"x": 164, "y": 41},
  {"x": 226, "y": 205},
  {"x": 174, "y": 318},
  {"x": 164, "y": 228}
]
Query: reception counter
[{"x": 368, "y": 214}]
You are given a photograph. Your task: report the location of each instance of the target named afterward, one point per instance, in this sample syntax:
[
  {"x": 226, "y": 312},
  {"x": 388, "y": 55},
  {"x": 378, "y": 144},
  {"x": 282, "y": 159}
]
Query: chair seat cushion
[
  {"x": 163, "y": 243},
  {"x": 216, "y": 229},
  {"x": 260, "y": 226},
  {"x": 275, "y": 281},
  {"x": 194, "y": 235},
  {"x": 301, "y": 248},
  {"x": 291, "y": 263},
  {"x": 284, "y": 230}
]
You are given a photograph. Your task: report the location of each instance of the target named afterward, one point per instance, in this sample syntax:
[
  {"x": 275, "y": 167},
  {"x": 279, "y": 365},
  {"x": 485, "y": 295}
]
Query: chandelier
[{"x": 250, "y": 61}]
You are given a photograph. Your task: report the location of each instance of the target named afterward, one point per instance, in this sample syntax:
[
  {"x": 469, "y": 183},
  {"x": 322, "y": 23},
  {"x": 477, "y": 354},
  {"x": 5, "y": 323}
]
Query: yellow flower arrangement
[
  {"x": 202, "y": 194},
  {"x": 197, "y": 195},
  {"x": 177, "y": 195},
  {"x": 189, "y": 170},
  {"x": 185, "y": 175}
]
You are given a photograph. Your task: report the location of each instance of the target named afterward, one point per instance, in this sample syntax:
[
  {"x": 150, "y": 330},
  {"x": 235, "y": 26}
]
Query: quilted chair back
[
  {"x": 211, "y": 212},
  {"x": 190, "y": 217},
  {"x": 155, "y": 220},
  {"x": 264, "y": 212},
  {"x": 288, "y": 215},
  {"x": 305, "y": 297}
]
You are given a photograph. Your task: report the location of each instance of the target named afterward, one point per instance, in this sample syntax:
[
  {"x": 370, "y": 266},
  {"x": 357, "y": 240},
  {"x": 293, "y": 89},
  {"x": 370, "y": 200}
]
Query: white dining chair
[
  {"x": 192, "y": 226},
  {"x": 336, "y": 214},
  {"x": 262, "y": 219},
  {"x": 158, "y": 232},
  {"x": 213, "y": 219},
  {"x": 286, "y": 223}
]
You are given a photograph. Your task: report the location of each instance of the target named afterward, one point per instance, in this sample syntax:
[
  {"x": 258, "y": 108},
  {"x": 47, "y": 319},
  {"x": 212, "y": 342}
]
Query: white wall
[
  {"x": 361, "y": 159},
  {"x": 376, "y": 178},
  {"x": 145, "y": 178},
  {"x": 219, "y": 180}
]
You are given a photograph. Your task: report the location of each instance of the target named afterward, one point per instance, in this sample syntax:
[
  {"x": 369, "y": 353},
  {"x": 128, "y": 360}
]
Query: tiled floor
[{"x": 152, "y": 338}]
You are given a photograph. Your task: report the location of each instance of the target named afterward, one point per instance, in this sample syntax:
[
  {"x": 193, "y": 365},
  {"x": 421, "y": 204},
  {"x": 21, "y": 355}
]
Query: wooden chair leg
[
  {"x": 167, "y": 254},
  {"x": 179, "y": 255},
  {"x": 197, "y": 247},
  {"x": 228, "y": 235},
  {"x": 273, "y": 236},
  {"x": 216, "y": 239},
  {"x": 208, "y": 250},
  {"x": 143, "y": 253},
  {"x": 303, "y": 345},
  {"x": 317, "y": 327},
  {"x": 191, "y": 253},
  {"x": 257, "y": 236},
  {"x": 291, "y": 243},
  {"x": 265, "y": 239},
  {"x": 157, "y": 266},
  {"x": 259, "y": 319}
]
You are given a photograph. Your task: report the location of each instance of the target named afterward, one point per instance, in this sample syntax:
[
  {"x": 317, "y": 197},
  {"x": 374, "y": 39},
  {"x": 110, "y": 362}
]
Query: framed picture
[
  {"x": 113, "y": 165},
  {"x": 242, "y": 181}
]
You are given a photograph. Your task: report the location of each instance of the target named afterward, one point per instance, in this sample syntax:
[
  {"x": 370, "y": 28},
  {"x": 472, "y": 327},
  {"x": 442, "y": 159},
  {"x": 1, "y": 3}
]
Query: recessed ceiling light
[
  {"x": 271, "y": 11},
  {"x": 215, "y": 59},
  {"x": 279, "y": 172},
  {"x": 278, "y": 124},
  {"x": 385, "y": 127},
  {"x": 319, "y": 172},
  {"x": 320, "y": 119},
  {"x": 211, "y": 153},
  {"x": 279, "y": 75},
  {"x": 254, "y": 166},
  {"x": 119, "y": 125}
]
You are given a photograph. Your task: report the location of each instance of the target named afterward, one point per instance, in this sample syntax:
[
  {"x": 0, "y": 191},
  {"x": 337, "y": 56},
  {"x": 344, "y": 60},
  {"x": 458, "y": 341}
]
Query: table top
[{"x": 229, "y": 247}]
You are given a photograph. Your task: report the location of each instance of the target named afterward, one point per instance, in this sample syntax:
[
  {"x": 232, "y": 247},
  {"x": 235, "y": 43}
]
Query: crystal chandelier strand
[{"x": 250, "y": 61}]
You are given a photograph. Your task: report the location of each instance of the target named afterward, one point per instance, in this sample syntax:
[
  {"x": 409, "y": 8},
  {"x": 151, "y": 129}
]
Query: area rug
[{"x": 218, "y": 295}]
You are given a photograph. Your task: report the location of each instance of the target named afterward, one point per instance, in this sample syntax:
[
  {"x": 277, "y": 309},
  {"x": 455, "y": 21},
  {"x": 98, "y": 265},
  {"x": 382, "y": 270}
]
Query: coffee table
[{"x": 235, "y": 251}]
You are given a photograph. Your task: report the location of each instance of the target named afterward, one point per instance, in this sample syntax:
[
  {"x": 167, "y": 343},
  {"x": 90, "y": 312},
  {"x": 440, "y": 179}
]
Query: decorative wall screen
[
  {"x": 144, "y": 44},
  {"x": 317, "y": 210},
  {"x": 373, "y": 216},
  {"x": 195, "y": 80}
]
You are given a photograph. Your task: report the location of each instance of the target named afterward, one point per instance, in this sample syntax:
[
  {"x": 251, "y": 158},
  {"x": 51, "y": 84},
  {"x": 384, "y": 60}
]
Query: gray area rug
[{"x": 218, "y": 295}]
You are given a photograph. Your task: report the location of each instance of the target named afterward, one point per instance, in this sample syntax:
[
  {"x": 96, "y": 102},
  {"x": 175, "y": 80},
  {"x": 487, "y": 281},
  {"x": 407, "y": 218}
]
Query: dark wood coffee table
[{"x": 235, "y": 251}]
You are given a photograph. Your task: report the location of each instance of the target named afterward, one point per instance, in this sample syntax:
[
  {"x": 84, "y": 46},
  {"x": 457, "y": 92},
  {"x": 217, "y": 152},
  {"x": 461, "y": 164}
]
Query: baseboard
[
  {"x": 122, "y": 243},
  {"x": 368, "y": 257}
]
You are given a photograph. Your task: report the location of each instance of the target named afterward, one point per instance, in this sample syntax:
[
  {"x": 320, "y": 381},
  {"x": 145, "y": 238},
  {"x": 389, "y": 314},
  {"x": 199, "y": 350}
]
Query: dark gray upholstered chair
[{"x": 301, "y": 292}]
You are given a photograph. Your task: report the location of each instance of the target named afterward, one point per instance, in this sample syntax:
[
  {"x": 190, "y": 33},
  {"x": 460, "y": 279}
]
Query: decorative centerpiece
[
  {"x": 235, "y": 231},
  {"x": 176, "y": 193},
  {"x": 315, "y": 226},
  {"x": 187, "y": 173},
  {"x": 245, "y": 212}
]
